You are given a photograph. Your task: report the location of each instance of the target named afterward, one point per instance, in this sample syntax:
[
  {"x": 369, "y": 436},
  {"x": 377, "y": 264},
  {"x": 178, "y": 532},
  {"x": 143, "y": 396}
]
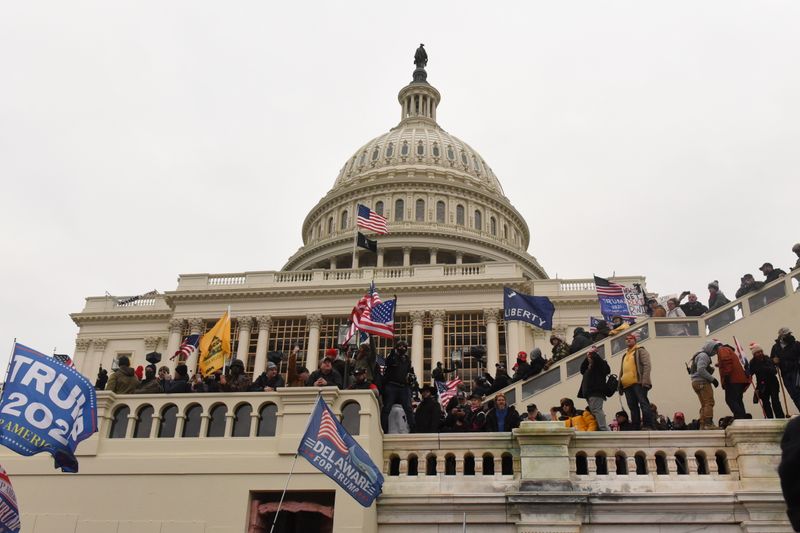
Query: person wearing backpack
[
  {"x": 595, "y": 370},
  {"x": 702, "y": 380},
  {"x": 734, "y": 380}
]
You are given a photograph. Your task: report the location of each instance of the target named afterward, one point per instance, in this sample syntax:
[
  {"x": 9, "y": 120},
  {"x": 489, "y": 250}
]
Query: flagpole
[
  {"x": 755, "y": 389},
  {"x": 285, "y": 487},
  {"x": 355, "y": 246},
  {"x": 8, "y": 369}
]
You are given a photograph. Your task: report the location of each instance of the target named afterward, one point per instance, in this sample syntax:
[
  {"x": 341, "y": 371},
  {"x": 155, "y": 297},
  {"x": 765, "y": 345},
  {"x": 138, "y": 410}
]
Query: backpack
[{"x": 612, "y": 384}]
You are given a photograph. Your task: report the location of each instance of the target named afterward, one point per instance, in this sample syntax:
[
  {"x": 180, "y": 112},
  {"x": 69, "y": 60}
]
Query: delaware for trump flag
[
  {"x": 329, "y": 447},
  {"x": 9, "y": 511},
  {"x": 215, "y": 346}
]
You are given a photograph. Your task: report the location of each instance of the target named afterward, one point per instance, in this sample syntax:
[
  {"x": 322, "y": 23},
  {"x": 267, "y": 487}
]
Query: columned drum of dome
[{"x": 436, "y": 191}]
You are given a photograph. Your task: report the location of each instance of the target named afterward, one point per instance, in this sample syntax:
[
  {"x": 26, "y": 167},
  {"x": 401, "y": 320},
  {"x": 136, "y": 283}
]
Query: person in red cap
[
  {"x": 522, "y": 369},
  {"x": 679, "y": 421},
  {"x": 634, "y": 382}
]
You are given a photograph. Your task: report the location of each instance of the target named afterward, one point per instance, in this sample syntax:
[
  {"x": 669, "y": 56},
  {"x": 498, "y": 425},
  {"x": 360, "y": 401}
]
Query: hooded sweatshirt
[
  {"x": 123, "y": 381},
  {"x": 702, "y": 361}
]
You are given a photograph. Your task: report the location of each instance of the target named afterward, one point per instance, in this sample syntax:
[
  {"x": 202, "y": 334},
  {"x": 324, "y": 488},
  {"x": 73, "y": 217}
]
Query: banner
[
  {"x": 536, "y": 310},
  {"x": 46, "y": 407},
  {"x": 616, "y": 299},
  {"x": 9, "y": 511},
  {"x": 215, "y": 347},
  {"x": 330, "y": 449}
]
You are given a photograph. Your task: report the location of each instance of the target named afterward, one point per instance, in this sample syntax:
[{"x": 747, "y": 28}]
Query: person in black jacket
[
  {"x": 767, "y": 386},
  {"x": 428, "y": 416},
  {"x": 396, "y": 388},
  {"x": 537, "y": 361},
  {"x": 503, "y": 417},
  {"x": 595, "y": 370},
  {"x": 501, "y": 378},
  {"x": 580, "y": 340},
  {"x": 692, "y": 307},
  {"x": 601, "y": 331},
  {"x": 786, "y": 354},
  {"x": 522, "y": 370},
  {"x": 180, "y": 382},
  {"x": 789, "y": 471},
  {"x": 269, "y": 381}
]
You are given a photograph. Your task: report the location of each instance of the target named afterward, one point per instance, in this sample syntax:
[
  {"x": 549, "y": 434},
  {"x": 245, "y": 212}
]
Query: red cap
[{"x": 522, "y": 356}]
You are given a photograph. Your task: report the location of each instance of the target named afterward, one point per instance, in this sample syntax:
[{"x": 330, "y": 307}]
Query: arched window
[
  {"x": 581, "y": 464},
  {"x": 449, "y": 465},
  {"x": 216, "y": 421},
  {"x": 430, "y": 465},
  {"x": 722, "y": 463},
  {"x": 394, "y": 465},
  {"x": 419, "y": 210},
  {"x": 641, "y": 463},
  {"x": 488, "y": 464},
  {"x": 191, "y": 426},
  {"x": 343, "y": 225},
  {"x": 601, "y": 464},
  {"x": 119, "y": 422},
  {"x": 505, "y": 231},
  {"x": 241, "y": 420},
  {"x": 435, "y": 150},
  {"x": 399, "y": 207},
  {"x": 169, "y": 419},
  {"x": 330, "y": 225},
  {"x": 464, "y": 159},
  {"x": 404, "y": 149},
  {"x": 661, "y": 464},
  {"x": 493, "y": 226},
  {"x": 389, "y": 149},
  {"x": 376, "y": 152},
  {"x": 478, "y": 221},
  {"x": 681, "y": 463},
  {"x": 144, "y": 422},
  {"x": 363, "y": 158},
  {"x": 702, "y": 463},
  {"x": 413, "y": 465},
  {"x": 420, "y": 149},
  {"x": 440, "y": 212},
  {"x": 469, "y": 464},
  {"x": 267, "y": 420},
  {"x": 351, "y": 417},
  {"x": 451, "y": 155},
  {"x": 379, "y": 208},
  {"x": 507, "y": 464},
  {"x": 460, "y": 215},
  {"x": 621, "y": 464}
]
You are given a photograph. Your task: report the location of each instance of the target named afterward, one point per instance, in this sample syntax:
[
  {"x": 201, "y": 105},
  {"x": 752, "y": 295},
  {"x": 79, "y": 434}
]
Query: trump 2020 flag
[
  {"x": 536, "y": 310},
  {"x": 329, "y": 447},
  {"x": 9, "y": 511},
  {"x": 46, "y": 407}
]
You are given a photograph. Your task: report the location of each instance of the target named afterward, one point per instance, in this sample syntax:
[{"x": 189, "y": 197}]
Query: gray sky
[{"x": 140, "y": 140}]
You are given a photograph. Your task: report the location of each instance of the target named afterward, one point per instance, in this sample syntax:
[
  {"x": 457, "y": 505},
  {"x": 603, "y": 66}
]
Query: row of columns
[
  {"x": 88, "y": 361},
  {"x": 406, "y": 258}
]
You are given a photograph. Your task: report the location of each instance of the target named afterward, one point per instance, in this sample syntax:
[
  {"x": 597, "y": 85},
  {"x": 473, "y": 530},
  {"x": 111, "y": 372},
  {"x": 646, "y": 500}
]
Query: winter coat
[
  {"x": 642, "y": 357},
  {"x": 560, "y": 351},
  {"x": 333, "y": 378},
  {"x": 659, "y": 312},
  {"x": 583, "y": 420},
  {"x": 501, "y": 381},
  {"x": 580, "y": 340},
  {"x": 694, "y": 309},
  {"x": 240, "y": 383},
  {"x": 537, "y": 361},
  {"x": 593, "y": 382},
  {"x": 752, "y": 287},
  {"x": 619, "y": 329},
  {"x": 123, "y": 381},
  {"x": 149, "y": 386},
  {"x": 428, "y": 416},
  {"x": 701, "y": 362},
  {"x": 476, "y": 420},
  {"x": 775, "y": 274},
  {"x": 263, "y": 381},
  {"x": 512, "y": 419},
  {"x": 397, "y": 369},
  {"x": 789, "y": 471},
  {"x": 602, "y": 331},
  {"x": 179, "y": 385},
  {"x": 789, "y": 356},
  {"x": 523, "y": 371},
  {"x": 730, "y": 368},
  {"x": 765, "y": 373},
  {"x": 717, "y": 300}
]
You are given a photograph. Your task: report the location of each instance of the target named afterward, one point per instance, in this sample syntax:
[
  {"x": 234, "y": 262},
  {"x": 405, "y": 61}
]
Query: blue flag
[
  {"x": 536, "y": 310},
  {"x": 329, "y": 447},
  {"x": 46, "y": 407}
]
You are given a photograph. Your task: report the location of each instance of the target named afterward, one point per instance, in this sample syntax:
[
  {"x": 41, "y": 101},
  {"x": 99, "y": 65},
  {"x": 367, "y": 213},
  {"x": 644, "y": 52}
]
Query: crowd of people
[{"x": 406, "y": 407}]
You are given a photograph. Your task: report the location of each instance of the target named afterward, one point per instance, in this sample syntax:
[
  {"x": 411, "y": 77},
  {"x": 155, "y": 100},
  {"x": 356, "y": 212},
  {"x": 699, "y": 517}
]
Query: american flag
[
  {"x": 372, "y": 316},
  {"x": 187, "y": 347},
  {"x": 447, "y": 390},
  {"x": 369, "y": 219},
  {"x": 328, "y": 431},
  {"x": 608, "y": 288},
  {"x": 63, "y": 358}
]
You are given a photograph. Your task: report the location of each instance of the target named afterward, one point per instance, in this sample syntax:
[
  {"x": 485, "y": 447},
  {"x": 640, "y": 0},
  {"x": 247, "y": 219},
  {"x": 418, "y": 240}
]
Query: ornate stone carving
[
  {"x": 417, "y": 317},
  {"x": 491, "y": 315},
  {"x": 99, "y": 344},
  {"x": 264, "y": 322},
  {"x": 81, "y": 345},
  {"x": 196, "y": 325},
  {"x": 314, "y": 321},
  {"x": 245, "y": 323},
  {"x": 151, "y": 343},
  {"x": 176, "y": 324},
  {"x": 438, "y": 317}
]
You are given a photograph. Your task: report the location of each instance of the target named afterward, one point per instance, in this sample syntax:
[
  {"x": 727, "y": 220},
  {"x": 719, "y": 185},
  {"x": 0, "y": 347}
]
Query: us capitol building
[{"x": 217, "y": 463}]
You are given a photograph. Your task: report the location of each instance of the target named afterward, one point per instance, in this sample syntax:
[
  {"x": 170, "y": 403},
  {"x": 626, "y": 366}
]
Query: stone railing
[{"x": 103, "y": 304}]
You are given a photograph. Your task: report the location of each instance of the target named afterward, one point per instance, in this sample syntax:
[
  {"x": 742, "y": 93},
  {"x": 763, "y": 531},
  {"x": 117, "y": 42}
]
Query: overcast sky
[{"x": 140, "y": 140}]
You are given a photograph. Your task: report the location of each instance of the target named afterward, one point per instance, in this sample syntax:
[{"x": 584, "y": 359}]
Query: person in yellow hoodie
[
  {"x": 634, "y": 382},
  {"x": 580, "y": 419},
  {"x": 619, "y": 325}
]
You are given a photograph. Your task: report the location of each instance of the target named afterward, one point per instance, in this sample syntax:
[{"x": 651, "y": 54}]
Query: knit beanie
[
  {"x": 714, "y": 284},
  {"x": 755, "y": 348}
]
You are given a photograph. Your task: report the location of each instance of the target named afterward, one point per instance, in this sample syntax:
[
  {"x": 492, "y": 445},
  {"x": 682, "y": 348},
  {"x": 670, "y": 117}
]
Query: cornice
[{"x": 83, "y": 318}]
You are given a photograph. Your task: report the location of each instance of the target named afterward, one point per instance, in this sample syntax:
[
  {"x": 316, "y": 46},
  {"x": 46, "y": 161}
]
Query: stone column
[
  {"x": 406, "y": 256},
  {"x": 490, "y": 316},
  {"x": 433, "y": 252},
  {"x": 81, "y": 356},
  {"x": 512, "y": 338},
  {"x": 245, "y": 325},
  {"x": 262, "y": 344},
  {"x": 174, "y": 342},
  {"x": 417, "y": 343},
  {"x": 459, "y": 258},
  {"x": 312, "y": 348},
  {"x": 333, "y": 263},
  {"x": 98, "y": 347},
  {"x": 437, "y": 350},
  {"x": 196, "y": 327},
  {"x": 356, "y": 259},
  {"x": 379, "y": 264}
]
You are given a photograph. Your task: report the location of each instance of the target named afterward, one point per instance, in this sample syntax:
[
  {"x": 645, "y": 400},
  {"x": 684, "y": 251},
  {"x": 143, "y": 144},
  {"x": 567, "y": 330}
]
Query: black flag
[{"x": 363, "y": 242}]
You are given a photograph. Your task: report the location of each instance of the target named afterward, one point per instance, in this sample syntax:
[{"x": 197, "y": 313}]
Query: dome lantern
[{"x": 418, "y": 100}]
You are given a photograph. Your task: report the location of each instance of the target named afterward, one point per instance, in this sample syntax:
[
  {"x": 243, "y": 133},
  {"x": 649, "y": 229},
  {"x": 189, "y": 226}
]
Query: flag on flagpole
[
  {"x": 63, "y": 358},
  {"x": 328, "y": 446},
  {"x": 9, "y": 510},
  {"x": 363, "y": 242},
  {"x": 215, "y": 346},
  {"x": 446, "y": 390},
  {"x": 187, "y": 347},
  {"x": 372, "y": 316},
  {"x": 369, "y": 219},
  {"x": 131, "y": 299}
]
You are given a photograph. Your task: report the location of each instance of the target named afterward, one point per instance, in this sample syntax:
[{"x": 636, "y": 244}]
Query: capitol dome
[{"x": 443, "y": 202}]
